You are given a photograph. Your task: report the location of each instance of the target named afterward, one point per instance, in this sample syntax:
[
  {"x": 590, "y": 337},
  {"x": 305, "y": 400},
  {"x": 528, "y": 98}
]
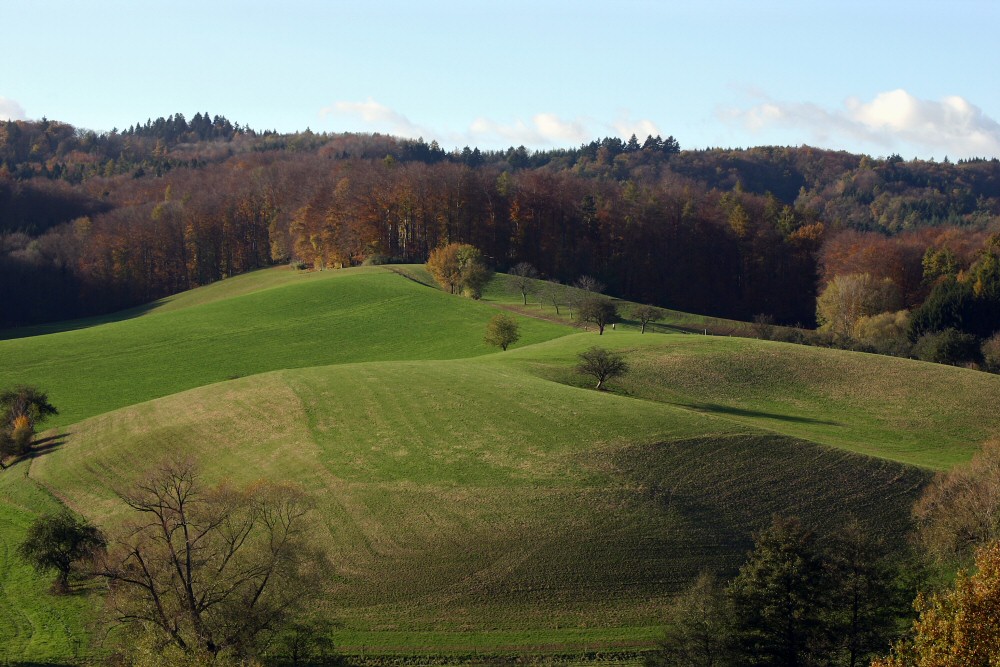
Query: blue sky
[{"x": 917, "y": 78}]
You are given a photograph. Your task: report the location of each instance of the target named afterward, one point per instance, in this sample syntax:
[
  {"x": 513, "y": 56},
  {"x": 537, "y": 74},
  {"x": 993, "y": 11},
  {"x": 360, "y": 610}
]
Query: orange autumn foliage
[{"x": 959, "y": 627}]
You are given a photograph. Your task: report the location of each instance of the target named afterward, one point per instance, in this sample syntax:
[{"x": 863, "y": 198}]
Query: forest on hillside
[{"x": 91, "y": 223}]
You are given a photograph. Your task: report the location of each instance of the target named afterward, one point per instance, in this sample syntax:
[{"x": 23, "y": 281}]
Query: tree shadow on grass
[
  {"x": 743, "y": 412},
  {"x": 61, "y": 326},
  {"x": 44, "y": 446}
]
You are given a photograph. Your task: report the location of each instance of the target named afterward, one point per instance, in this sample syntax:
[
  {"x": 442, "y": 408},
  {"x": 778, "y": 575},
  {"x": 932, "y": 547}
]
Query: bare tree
[
  {"x": 645, "y": 315},
  {"x": 212, "y": 570},
  {"x": 597, "y": 310},
  {"x": 552, "y": 293},
  {"x": 601, "y": 364},
  {"x": 524, "y": 276},
  {"x": 589, "y": 284}
]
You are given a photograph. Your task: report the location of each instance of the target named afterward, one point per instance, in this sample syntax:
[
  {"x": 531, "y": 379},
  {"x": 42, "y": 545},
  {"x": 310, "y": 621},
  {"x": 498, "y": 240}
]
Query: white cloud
[
  {"x": 893, "y": 120},
  {"x": 560, "y": 131},
  {"x": 375, "y": 117},
  {"x": 625, "y": 127},
  {"x": 542, "y": 130},
  {"x": 11, "y": 110}
]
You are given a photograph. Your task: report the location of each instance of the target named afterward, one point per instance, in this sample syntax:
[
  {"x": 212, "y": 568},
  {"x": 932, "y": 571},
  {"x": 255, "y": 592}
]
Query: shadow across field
[
  {"x": 75, "y": 325},
  {"x": 46, "y": 445},
  {"x": 755, "y": 414}
]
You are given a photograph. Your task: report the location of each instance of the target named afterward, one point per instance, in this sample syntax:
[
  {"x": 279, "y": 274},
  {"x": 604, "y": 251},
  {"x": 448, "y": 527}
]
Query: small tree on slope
[
  {"x": 502, "y": 331},
  {"x": 601, "y": 364}
]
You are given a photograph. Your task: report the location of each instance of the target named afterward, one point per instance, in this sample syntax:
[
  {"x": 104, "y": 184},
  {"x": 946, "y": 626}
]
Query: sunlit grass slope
[
  {"x": 34, "y": 625},
  {"x": 260, "y": 322},
  {"x": 469, "y": 503},
  {"x": 472, "y": 500},
  {"x": 918, "y": 413}
]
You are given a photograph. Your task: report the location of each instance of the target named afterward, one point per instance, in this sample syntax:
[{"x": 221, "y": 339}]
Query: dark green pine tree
[
  {"x": 781, "y": 598},
  {"x": 867, "y": 596}
]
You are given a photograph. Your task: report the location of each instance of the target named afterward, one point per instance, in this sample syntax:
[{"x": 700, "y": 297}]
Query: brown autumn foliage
[
  {"x": 959, "y": 511},
  {"x": 93, "y": 223}
]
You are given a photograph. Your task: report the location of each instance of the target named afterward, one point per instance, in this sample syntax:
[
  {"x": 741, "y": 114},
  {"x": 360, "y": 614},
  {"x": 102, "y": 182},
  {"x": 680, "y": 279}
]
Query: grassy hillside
[
  {"x": 34, "y": 625},
  {"x": 250, "y": 324},
  {"x": 471, "y": 496},
  {"x": 472, "y": 500},
  {"x": 922, "y": 414}
]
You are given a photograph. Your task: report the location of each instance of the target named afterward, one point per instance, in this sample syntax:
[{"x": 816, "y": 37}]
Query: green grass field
[
  {"x": 263, "y": 321},
  {"x": 472, "y": 501}
]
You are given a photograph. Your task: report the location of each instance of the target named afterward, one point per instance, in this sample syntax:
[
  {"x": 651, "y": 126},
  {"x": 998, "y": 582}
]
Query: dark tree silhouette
[
  {"x": 602, "y": 365},
  {"x": 57, "y": 542}
]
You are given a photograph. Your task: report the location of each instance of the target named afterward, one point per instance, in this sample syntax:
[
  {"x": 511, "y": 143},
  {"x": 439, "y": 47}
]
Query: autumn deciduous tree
[
  {"x": 502, "y": 331},
  {"x": 958, "y": 627},
  {"x": 957, "y": 512},
  {"x": 990, "y": 350},
  {"x": 602, "y": 365},
  {"x": 473, "y": 271},
  {"x": 59, "y": 541},
  {"x": 211, "y": 571},
  {"x": 848, "y": 298},
  {"x": 443, "y": 266},
  {"x": 28, "y": 402},
  {"x": 460, "y": 268},
  {"x": 885, "y": 332},
  {"x": 597, "y": 310},
  {"x": 22, "y": 408}
]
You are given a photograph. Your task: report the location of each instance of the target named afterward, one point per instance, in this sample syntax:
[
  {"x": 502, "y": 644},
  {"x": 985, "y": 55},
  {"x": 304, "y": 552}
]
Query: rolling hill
[{"x": 472, "y": 501}]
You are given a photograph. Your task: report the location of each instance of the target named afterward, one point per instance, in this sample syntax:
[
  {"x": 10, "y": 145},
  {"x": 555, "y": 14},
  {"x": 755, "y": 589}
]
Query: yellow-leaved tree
[
  {"x": 959, "y": 627},
  {"x": 459, "y": 267}
]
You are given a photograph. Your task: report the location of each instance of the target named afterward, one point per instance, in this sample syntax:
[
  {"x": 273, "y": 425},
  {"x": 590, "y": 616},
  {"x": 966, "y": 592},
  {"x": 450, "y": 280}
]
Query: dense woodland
[{"x": 91, "y": 223}]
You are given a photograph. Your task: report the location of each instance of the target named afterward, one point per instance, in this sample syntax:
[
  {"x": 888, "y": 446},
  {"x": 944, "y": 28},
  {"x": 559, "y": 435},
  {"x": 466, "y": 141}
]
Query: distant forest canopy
[{"x": 91, "y": 223}]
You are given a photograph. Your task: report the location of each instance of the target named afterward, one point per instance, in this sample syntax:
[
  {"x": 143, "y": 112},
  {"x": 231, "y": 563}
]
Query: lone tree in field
[
  {"x": 461, "y": 268},
  {"x": 206, "y": 571},
  {"x": 602, "y": 365},
  {"x": 645, "y": 315},
  {"x": 552, "y": 293},
  {"x": 523, "y": 278},
  {"x": 57, "y": 542},
  {"x": 22, "y": 409},
  {"x": 502, "y": 331},
  {"x": 597, "y": 310}
]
